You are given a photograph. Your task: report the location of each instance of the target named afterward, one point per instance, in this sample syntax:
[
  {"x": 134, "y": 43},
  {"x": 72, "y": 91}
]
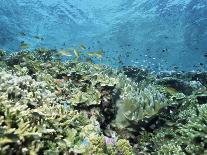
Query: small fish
[
  {"x": 170, "y": 90},
  {"x": 77, "y": 53},
  {"x": 201, "y": 64},
  {"x": 195, "y": 66},
  {"x": 98, "y": 54},
  {"x": 90, "y": 54},
  {"x": 83, "y": 47},
  {"x": 64, "y": 53},
  {"x": 175, "y": 67},
  {"x": 120, "y": 62},
  {"x": 22, "y": 33},
  {"x": 165, "y": 50},
  {"x": 70, "y": 49},
  {"x": 24, "y": 45},
  {"x": 89, "y": 60},
  {"x": 38, "y": 37}
]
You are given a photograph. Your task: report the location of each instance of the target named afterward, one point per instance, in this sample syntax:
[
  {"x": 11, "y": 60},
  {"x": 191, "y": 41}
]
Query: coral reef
[{"x": 48, "y": 106}]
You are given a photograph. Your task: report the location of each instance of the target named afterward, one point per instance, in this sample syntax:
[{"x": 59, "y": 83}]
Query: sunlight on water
[{"x": 103, "y": 77}]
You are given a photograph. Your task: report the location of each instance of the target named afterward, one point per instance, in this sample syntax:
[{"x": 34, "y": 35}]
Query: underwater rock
[
  {"x": 178, "y": 84},
  {"x": 198, "y": 76},
  {"x": 45, "y": 54},
  {"x": 137, "y": 74},
  {"x": 178, "y": 96},
  {"x": 187, "y": 76},
  {"x": 107, "y": 106},
  {"x": 2, "y": 54},
  {"x": 202, "y": 99},
  {"x": 196, "y": 85},
  {"x": 174, "y": 74}
]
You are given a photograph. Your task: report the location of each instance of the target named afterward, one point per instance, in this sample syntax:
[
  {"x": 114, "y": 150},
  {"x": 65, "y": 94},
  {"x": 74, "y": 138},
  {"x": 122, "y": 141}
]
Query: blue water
[{"x": 158, "y": 34}]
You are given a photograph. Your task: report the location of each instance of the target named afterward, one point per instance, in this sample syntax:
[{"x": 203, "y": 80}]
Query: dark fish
[
  {"x": 22, "y": 33},
  {"x": 164, "y": 50},
  {"x": 83, "y": 47},
  {"x": 120, "y": 62},
  {"x": 175, "y": 67},
  {"x": 38, "y": 37},
  {"x": 195, "y": 66}
]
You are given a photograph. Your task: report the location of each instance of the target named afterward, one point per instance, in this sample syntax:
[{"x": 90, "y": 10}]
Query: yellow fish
[
  {"x": 91, "y": 54},
  {"x": 89, "y": 61},
  {"x": 70, "y": 49},
  {"x": 98, "y": 54},
  {"x": 83, "y": 47},
  {"x": 24, "y": 45},
  {"x": 171, "y": 90},
  {"x": 64, "y": 53},
  {"x": 77, "y": 53}
]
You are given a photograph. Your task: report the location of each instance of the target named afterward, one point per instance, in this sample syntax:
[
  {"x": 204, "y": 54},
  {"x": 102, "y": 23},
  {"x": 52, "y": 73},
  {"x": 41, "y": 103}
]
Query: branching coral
[
  {"x": 139, "y": 106},
  {"x": 40, "y": 105},
  {"x": 53, "y": 107},
  {"x": 187, "y": 135}
]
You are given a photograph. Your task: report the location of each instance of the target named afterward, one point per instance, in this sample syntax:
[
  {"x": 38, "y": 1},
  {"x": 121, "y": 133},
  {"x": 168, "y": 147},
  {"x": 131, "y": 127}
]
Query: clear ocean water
[
  {"x": 156, "y": 34},
  {"x": 103, "y": 77}
]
